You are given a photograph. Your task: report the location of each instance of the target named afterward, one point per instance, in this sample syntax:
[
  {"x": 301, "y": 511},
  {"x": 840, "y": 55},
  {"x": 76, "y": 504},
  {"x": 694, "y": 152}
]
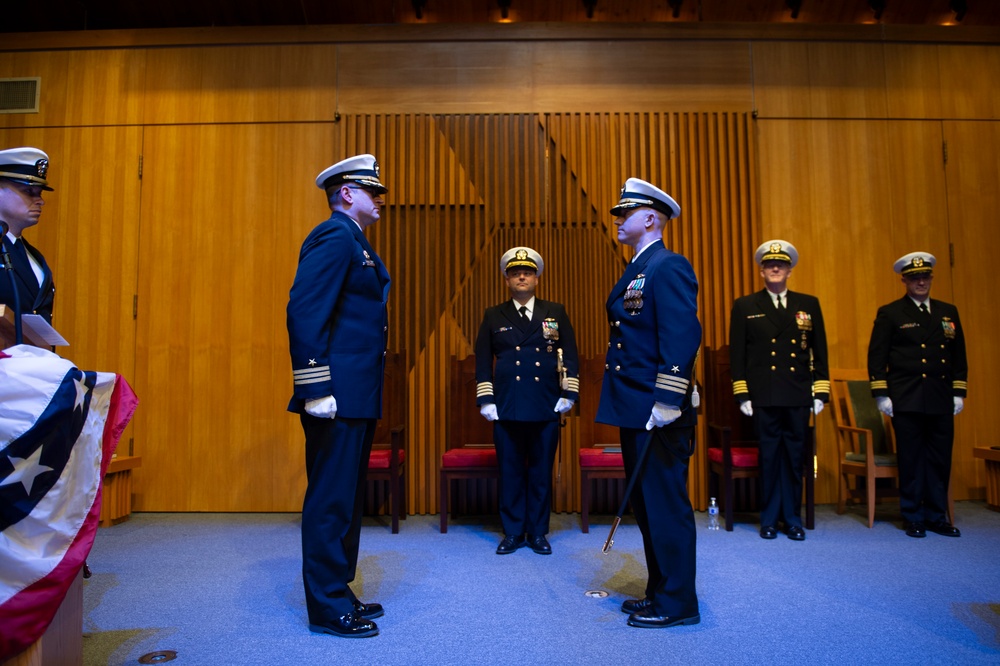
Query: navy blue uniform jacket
[
  {"x": 338, "y": 321},
  {"x": 655, "y": 336},
  {"x": 35, "y": 299},
  {"x": 918, "y": 360},
  {"x": 524, "y": 383},
  {"x": 770, "y": 351}
]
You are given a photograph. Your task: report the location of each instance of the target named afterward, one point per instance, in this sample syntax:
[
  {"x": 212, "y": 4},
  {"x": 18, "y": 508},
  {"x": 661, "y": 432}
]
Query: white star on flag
[{"x": 25, "y": 470}]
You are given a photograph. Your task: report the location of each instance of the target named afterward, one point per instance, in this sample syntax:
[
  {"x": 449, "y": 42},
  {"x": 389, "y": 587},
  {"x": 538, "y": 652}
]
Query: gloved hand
[
  {"x": 817, "y": 406},
  {"x": 884, "y": 404},
  {"x": 662, "y": 415},
  {"x": 489, "y": 411},
  {"x": 959, "y": 405},
  {"x": 746, "y": 408},
  {"x": 563, "y": 405},
  {"x": 322, "y": 408}
]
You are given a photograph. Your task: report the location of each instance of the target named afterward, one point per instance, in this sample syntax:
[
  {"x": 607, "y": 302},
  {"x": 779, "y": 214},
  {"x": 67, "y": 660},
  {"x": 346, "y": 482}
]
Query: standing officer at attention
[
  {"x": 534, "y": 381},
  {"x": 777, "y": 352},
  {"x": 919, "y": 377},
  {"x": 655, "y": 337},
  {"x": 337, "y": 331},
  {"x": 22, "y": 181}
]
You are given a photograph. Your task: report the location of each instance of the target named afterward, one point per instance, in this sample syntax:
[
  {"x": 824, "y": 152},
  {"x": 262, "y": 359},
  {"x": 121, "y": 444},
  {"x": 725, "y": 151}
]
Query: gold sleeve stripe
[
  {"x": 959, "y": 384},
  {"x": 484, "y": 388},
  {"x": 740, "y": 386},
  {"x": 311, "y": 375},
  {"x": 672, "y": 383},
  {"x": 573, "y": 384},
  {"x": 821, "y": 386},
  {"x": 878, "y": 384}
]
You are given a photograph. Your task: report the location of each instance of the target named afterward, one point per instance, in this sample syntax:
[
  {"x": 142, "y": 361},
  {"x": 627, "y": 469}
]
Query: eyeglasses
[{"x": 372, "y": 193}]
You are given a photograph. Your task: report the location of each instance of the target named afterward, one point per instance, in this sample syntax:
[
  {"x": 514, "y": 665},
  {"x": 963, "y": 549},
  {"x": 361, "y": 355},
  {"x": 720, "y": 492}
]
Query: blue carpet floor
[{"x": 226, "y": 589}]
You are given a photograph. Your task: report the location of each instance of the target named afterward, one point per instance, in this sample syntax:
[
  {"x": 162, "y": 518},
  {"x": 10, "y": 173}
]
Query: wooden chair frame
[{"x": 391, "y": 434}]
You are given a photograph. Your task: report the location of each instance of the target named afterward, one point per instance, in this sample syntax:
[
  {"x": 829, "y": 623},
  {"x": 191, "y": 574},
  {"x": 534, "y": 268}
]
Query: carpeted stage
[{"x": 226, "y": 589}]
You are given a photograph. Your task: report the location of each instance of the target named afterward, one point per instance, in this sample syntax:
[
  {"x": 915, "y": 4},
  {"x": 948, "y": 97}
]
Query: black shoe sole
[
  {"x": 319, "y": 629},
  {"x": 656, "y": 625}
]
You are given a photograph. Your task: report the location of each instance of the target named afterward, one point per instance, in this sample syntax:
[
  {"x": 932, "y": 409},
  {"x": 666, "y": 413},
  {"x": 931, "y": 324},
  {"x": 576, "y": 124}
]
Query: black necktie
[
  {"x": 781, "y": 303},
  {"x": 20, "y": 251},
  {"x": 522, "y": 310},
  {"x": 923, "y": 309}
]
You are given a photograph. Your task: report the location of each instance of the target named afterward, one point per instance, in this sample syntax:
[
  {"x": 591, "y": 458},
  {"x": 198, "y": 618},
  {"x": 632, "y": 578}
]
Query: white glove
[
  {"x": 884, "y": 404},
  {"x": 489, "y": 411},
  {"x": 322, "y": 408},
  {"x": 817, "y": 406},
  {"x": 662, "y": 415},
  {"x": 746, "y": 408},
  {"x": 564, "y": 405},
  {"x": 959, "y": 405}
]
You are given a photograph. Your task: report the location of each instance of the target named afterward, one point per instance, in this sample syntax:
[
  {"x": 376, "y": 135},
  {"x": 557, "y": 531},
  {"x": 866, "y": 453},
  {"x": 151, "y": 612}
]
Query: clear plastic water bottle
[{"x": 713, "y": 514}]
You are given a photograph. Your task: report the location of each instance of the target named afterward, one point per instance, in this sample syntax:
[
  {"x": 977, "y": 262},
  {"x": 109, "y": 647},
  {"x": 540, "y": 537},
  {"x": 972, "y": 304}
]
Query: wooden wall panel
[
  {"x": 973, "y": 172},
  {"x": 277, "y": 83},
  {"x": 564, "y": 76},
  {"x": 79, "y": 88},
  {"x": 89, "y": 233},
  {"x": 224, "y": 211},
  {"x": 819, "y": 80},
  {"x": 851, "y": 214}
]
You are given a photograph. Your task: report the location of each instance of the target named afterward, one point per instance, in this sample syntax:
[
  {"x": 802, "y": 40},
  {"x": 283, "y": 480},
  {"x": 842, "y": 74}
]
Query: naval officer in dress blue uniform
[
  {"x": 778, "y": 362},
  {"x": 23, "y": 178},
  {"x": 647, "y": 386},
  {"x": 527, "y": 377},
  {"x": 338, "y": 330},
  {"x": 919, "y": 377}
]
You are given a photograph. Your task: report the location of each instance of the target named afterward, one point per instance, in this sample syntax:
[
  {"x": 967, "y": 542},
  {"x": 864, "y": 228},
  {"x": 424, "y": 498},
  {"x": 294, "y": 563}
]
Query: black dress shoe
[
  {"x": 510, "y": 544},
  {"x": 368, "y": 611},
  {"x": 351, "y": 625},
  {"x": 796, "y": 533},
  {"x": 540, "y": 545},
  {"x": 635, "y": 605},
  {"x": 768, "y": 532},
  {"x": 944, "y": 528},
  {"x": 915, "y": 530},
  {"x": 647, "y": 619}
]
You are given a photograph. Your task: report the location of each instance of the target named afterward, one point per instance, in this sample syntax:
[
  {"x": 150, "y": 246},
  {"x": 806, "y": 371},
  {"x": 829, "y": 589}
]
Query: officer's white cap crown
[
  {"x": 521, "y": 257},
  {"x": 360, "y": 170},
  {"x": 637, "y": 193},
  {"x": 25, "y": 165},
  {"x": 914, "y": 262},
  {"x": 776, "y": 250}
]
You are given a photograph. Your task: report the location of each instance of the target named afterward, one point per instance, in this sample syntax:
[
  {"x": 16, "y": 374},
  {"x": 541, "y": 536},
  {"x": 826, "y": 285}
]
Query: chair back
[
  {"x": 864, "y": 413},
  {"x": 594, "y": 435},
  {"x": 467, "y": 427},
  {"x": 721, "y": 408},
  {"x": 394, "y": 402}
]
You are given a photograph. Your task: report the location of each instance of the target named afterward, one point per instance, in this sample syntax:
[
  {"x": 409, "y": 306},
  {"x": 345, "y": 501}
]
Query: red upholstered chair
[
  {"x": 600, "y": 448},
  {"x": 388, "y": 457},
  {"x": 470, "y": 453}
]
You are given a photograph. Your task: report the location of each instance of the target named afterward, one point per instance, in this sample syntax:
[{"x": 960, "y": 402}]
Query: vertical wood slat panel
[{"x": 529, "y": 173}]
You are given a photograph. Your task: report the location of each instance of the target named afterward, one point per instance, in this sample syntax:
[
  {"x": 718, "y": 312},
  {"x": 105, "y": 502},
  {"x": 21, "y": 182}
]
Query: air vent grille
[{"x": 20, "y": 95}]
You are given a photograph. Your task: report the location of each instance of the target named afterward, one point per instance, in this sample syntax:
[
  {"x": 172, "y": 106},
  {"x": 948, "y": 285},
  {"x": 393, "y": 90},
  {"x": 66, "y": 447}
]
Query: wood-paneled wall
[{"x": 838, "y": 146}]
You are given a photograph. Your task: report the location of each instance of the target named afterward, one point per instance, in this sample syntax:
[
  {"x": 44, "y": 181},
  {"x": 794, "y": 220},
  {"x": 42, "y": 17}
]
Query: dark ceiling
[{"x": 57, "y": 15}]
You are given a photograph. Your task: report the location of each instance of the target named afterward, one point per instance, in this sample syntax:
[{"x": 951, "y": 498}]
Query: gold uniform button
[
  {"x": 618, "y": 324},
  {"x": 792, "y": 368},
  {"x": 517, "y": 363},
  {"x": 538, "y": 349},
  {"x": 923, "y": 346},
  {"x": 517, "y": 348},
  {"x": 609, "y": 345},
  {"x": 518, "y": 378},
  {"x": 619, "y": 345},
  {"x": 618, "y": 368},
  {"x": 773, "y": 340},
  {"x": 793, "y": 354},
  {"x": 537, "y": 379},
  {"x": 774, "y": 353},
  {"x": 538, "y": 364},
  {"x": 923, "y": 360},
  {"x": 607, "y": 367},
  {"x": 773, "y": 368}
]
